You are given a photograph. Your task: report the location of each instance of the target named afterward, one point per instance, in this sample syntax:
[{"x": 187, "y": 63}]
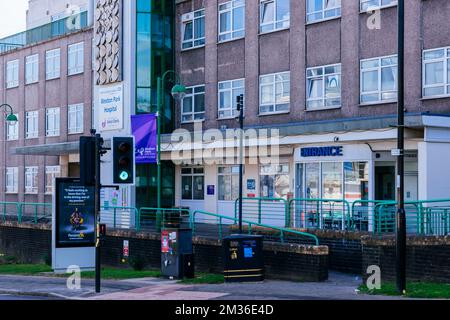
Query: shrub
[{"x": 137, "y": 263}]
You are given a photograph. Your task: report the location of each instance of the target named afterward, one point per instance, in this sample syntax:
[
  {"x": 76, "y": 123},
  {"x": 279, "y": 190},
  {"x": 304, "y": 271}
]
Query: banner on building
[
  {"x": 144, "y": 128},
  {"x": 110, "y": 114}
]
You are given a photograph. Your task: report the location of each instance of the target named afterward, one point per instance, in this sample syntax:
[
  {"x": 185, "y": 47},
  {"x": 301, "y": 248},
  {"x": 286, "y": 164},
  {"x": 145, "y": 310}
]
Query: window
[
  {"x": 52, "y": 64},
  {"x": 193, "y": 32},
  {"x": 228, "y": 92},
  {"x": 324, "y": 87},
  {"x": 317, "y": 10},
  {"x": 356, "y": 178},
  {"x": 12, "y": 180},
  {"x": 75, "y": 118},
  {"x": 368, "y": 4},
  {"x": 275, "y": 91},
  {"x": 31, "y": 124},
  {"x": 51, "y": 172},
  {"x": 52, "y": 122},
  {"x": 436, "y": 72},
  {"x": 76, "y": 58},
  {"x": 12, "y": 130},
  {"x": 231, "y": 20},
  {"x": 275, "y": 181},
  {"x": 274, "y": 15},
  {"x": 193, "y": 105},
  {"x": 192, "y": 181},
  {"x": 228, "y": 183},
  {"x": 31, "y": 176},
  {"x": 12, "y": 74},
  {"x": 32, "y": 69},
  {"x": 379, "y": 80}
]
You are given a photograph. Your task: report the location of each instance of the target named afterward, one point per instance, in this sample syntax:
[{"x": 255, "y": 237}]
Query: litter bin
[
  {"x": 177, "y": 257},
  {"x": 243, "y": 258}
]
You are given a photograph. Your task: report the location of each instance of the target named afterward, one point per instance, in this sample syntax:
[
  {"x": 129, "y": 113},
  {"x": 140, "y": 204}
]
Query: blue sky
[{"x": 12, "y": 16}]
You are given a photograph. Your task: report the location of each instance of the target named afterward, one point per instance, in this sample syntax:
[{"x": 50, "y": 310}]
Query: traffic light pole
[
  {"x": 97, "y": 211},
  {"x": 240, "y": 108}
]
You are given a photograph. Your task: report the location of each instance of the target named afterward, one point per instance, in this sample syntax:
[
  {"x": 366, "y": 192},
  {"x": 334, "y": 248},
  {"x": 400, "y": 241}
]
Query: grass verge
[
  {"x": 204, "y": 278},
  {"x": 24, "y": 269},
  {"x": 427, "y": 290}
]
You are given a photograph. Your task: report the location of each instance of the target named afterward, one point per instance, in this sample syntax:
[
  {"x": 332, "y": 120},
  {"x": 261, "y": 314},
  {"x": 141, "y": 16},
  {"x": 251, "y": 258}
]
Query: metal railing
[
  {"x": 269, "y": 211},
  {"x": 119, "y": 217},
  {"x": 201, "y": 222},
  {"x": 28, "y": 212},
  {"x": 154, "y": 218}
]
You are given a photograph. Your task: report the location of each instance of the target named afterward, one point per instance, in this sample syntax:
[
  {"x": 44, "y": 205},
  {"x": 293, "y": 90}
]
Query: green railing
[
  {"x": 150, "y": 218},
  {"x": 35, "y": 211},
  {"x": 208, "y": 217},
  {"x": 363, "y": 213},
  {"x": 115, "y": 210},
  {"x": 7, "y": 213},
  {"x": 273, "y": 211}
]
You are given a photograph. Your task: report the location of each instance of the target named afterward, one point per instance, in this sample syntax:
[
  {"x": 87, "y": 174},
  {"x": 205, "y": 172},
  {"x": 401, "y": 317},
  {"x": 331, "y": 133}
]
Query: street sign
[{"x": 396, "y": 152}]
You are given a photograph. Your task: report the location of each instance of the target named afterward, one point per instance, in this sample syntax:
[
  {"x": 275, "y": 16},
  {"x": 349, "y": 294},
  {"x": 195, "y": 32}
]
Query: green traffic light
[{"x": 123, "y": 176}]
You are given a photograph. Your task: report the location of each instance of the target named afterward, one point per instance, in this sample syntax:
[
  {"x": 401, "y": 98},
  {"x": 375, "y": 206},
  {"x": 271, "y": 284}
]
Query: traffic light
[
  {"x": 87, "y": 161},
  {"x": 123, "y": 160}
]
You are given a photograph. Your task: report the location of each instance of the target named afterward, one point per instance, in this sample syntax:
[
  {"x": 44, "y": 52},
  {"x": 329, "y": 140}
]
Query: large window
[
  {"x": 275, "y": 93},
  {"x": 436, "y": 72},
  {"x": 12, "y": 130},
  {"x": 379, "y": 80},
  {"x": 274, "y": 15},
  {"x": 193, "y": 32},
  {"x": 376, "y": 4},
  {"x": 231, "y": 20},
  {"x": 228, "y": 183},
  {"x": 75, "y": 118},
  {"x": 192, "y": 182},
  {"x": 52, "y": 118},
  {"x": 32, "y": 69},
  {"x": 31, "y": 124},
  {"x": 31, "y": 179},
  {"x": 324, "y": 87},
  {"x": 52, "y": 64},
  {"x": 356, "y": 177},
  {"x": 12, "y": 180},
  {"x": 12, "y": 74},
  {"x": 76, "y": 58},
  {"x": 274, "y": 181},
  {"x": 51, "y": 172},
  {"x": 228, "y": 93},
  {"x": 193, "y": 104},
  {"x": 317, "y": 10}
]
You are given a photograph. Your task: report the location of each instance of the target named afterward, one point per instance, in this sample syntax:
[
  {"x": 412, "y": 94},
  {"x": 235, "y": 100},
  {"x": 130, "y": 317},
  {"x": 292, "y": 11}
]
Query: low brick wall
[
  {"x": 427, "y": 258},
  {"x": 32, "y": 243}
]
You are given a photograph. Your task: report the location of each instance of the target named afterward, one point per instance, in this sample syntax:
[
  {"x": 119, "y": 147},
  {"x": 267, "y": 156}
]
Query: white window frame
[
  {"x": 53, "y": 64},
  {"x": 193, "y": 17},
  {"x": 14, "y": 173},
  {"x": 274, "y": 170},
  {"x": 12, "y": 130},
  {"x": 193, "y": 113},
  {"x": 78, "y": 127},
  {"x": 334, "y": 10},
  {"x": 31, "y": 133},
  {"x": 193, "y": 174},
  {"x": 445, "y": 60},
  {"x": 53, "y": 172},
  {"x": 233, "y": 86},
  {"x": 274, "y": 103},
  {"x": 275, "y": 24},
  {"x": 75, "y": 58},
  {"x": 52, "y": 116},
  {"x": 321, "y": 77},
  {"x": 32, "y": 172},
  {"x": 380, "y": 92},
  {"x": 233, "y": 173},
  {"x": 32, "y": 69},
  {"x": 12, "y": 74},
  {"x": 231, "y": 6},
  {"x": 364, "y": 8}
]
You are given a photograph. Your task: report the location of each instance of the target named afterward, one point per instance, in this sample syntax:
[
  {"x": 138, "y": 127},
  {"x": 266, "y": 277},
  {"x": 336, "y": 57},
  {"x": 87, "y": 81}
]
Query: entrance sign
[
  {"x": 110, "y": 107},
  {"x": 75, "y": 216},
  {"x": 144, "y": 128},
  {"x": 323, "y": 152}
]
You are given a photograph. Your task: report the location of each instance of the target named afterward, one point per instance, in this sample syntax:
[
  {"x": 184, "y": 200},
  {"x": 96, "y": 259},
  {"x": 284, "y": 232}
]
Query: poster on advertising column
[
  {"x": 144, "y": 129},
  {"x": 110, "y": 107},
  {"x": 75, "y": 214}
]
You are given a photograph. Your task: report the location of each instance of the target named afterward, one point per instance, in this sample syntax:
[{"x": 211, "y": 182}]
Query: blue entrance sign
[{"x": 323, "y": 152}]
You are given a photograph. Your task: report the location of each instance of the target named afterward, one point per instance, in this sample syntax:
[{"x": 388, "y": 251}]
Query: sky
[{"x": 12, "y": 16}]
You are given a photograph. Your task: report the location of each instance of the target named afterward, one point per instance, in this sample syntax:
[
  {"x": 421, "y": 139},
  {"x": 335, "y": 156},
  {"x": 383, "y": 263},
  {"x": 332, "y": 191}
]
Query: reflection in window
[
  {"x": 231, "y": 20},
  {"x": 317, "y": 10},
  {"x": 275, "y": 181},
  {"x": 324, "y": 87},
  {"x": 436, "y": 71},
  {"x": 192, "y": 183},
  {"x": 332, "y": 186},
  {"x": 356, "y": 176},
  {"x": 275, "y": 14},
  {"x": 193, "y": 29},
  {"x": 379, "y": 80},
  {"x": 228, "y": 183}
]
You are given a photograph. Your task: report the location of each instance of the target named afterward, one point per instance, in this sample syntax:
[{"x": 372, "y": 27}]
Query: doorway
[{"x": 385, "y": 182}]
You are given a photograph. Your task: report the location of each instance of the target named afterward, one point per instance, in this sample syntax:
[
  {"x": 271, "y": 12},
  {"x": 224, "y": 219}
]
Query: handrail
[
  {"x": 260, "y": 200},
  {"x": 136, "y": 214},
  {"x": 250, "y": 224},
  {"x": 163, "y": 210}
]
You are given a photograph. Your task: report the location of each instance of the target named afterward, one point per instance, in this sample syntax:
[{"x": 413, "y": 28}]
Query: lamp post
[
  {"x": 401, "y": 216},
  {"x": 178, "y": 93}
]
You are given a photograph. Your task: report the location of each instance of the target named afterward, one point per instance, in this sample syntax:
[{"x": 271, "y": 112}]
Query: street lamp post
[
  {"x": 178, "y": 92},
  {"x": 11, "y": 117},
  {"x": 401, "y": 216}
]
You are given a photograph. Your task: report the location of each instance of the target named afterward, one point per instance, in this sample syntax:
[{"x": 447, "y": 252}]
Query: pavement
[{"x": 338, "y": 287}]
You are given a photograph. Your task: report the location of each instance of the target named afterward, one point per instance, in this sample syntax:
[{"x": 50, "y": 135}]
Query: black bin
[{"x": 243, "y": 258}]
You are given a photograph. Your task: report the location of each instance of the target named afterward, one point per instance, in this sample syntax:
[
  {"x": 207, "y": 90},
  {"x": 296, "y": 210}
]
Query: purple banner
[{"x": 145, "y": 134}]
